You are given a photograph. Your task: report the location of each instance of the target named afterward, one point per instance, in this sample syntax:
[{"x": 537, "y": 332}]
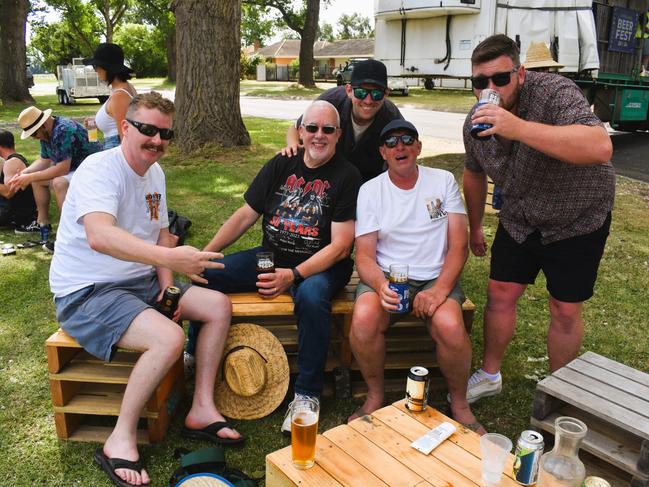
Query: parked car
[
  {"x": 344, "y": 76},
  {"x": 30, "y": 77}
]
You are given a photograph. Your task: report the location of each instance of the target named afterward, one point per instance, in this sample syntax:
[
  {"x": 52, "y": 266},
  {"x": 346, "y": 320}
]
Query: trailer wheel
[
  {"x": 65, "y": 98},
  {"x": 429, "y": 84},
  {"x": 102, "y": 99},
  {"x": 339, "y": 81},
  {"x": 60, "y": 96}
]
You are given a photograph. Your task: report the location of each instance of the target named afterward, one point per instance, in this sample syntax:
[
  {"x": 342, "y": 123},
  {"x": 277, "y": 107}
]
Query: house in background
[{"x": 328, "y": 56}]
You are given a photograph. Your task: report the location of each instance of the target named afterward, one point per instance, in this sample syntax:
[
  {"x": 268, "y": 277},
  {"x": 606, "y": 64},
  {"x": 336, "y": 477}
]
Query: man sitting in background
[{"x": 17, "y": 207}]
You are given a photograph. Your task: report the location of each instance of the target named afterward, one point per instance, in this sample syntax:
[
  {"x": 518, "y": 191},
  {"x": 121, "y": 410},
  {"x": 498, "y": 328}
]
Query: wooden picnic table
[{"x": 375, "y": 451}]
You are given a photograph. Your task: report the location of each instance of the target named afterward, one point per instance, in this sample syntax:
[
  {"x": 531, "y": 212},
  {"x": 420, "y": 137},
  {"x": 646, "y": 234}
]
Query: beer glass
[
  {"x": 265, "y": 262},
  {"x": 304, "y": 428}
]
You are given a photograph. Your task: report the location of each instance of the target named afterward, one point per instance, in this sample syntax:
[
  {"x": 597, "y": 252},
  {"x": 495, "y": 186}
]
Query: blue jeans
[{"x": 312, "y": 300}]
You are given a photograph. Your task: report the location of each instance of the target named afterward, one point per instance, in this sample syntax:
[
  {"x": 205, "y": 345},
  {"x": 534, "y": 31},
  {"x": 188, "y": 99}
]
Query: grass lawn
[{"x": 207, "y": 186}]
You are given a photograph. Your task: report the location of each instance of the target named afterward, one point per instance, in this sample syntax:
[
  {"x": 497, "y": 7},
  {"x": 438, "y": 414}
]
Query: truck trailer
[{"x": 594, "y": 40}]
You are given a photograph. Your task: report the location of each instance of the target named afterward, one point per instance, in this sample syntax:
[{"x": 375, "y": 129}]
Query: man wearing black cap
[
  {"x": 412, "y": 215},
  {"x": 364, "y": 111}
]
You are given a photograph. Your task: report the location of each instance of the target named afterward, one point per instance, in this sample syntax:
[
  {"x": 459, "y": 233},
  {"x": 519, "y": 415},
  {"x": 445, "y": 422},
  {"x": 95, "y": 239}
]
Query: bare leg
[
  {"x": 41, "y": 191},
  {"x": 60, "y": 186},
  {"x": 566, "y": 332},
  {"x": 161, "y": 341},
  {"x": 214, "y": 310},
  {"x": 499, "y": 321},
  {"x": 367, "y": 339},
  {"x": 453, "y": 348}
]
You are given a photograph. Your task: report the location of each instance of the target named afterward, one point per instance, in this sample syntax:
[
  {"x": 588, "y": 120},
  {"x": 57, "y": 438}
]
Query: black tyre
[
  {"x": 102, "y": 99},
  {"x": 339, "y": 81},
  {"x": 429, "y": 84},
  {"x": 60, "y": 95},
  {"x": 66, "y": 98}
]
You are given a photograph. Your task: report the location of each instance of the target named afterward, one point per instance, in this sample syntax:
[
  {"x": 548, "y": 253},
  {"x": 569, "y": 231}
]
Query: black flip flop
[
  {"x": 109, "y": 465},
  {"x": 209, "y": 433}
]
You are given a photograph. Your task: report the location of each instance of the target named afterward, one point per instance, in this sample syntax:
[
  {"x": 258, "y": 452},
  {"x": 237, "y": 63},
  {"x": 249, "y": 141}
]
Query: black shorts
[{"x": 570, "y": 266}]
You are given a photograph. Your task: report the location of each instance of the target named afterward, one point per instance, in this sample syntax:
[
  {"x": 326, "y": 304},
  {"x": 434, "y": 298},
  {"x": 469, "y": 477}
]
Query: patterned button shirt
[
  {"x": 558, "y": 199},
  {"x": 68, "y": 140}
]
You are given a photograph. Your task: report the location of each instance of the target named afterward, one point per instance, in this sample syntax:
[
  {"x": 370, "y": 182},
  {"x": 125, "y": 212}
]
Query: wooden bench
[
  {"x": 407, "y": 341},
  {"x": 85, "y": 390},
  {"x": 613, "y": 400}
]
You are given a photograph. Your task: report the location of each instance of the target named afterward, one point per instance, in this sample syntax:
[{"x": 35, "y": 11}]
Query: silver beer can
[
  {"x": 529, "y": 449},
  {"x": 417, "y": 388}
]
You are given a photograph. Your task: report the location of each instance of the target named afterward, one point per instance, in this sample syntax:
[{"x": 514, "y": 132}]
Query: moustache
[{"x": 157, "y": 148}]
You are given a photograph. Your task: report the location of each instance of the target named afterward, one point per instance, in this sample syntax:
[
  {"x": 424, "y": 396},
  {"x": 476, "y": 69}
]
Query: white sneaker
[
  {"x": 644, "y": 73},
  {"x": 480, "y": 386},
  {"x": 286, "y": 424}
]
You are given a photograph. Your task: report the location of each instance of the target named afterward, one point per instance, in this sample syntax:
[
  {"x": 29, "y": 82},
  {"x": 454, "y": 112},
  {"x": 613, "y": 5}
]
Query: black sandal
[{"x": 109, "y": 465}]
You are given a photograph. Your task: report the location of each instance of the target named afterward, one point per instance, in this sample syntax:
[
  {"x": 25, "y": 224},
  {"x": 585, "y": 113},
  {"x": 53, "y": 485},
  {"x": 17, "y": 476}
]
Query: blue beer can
[
  {"x": 399, "y": 284},
  {"x": 529, "y": 449},
  {"x": 487, "y": 96},
  {"x": 45, "y": 233}
]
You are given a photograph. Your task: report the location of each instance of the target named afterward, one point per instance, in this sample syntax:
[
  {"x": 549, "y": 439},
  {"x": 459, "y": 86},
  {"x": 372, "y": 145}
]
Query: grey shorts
[
  {"x": 457, "y": 294},
  {"x": 98, "y": 315}
]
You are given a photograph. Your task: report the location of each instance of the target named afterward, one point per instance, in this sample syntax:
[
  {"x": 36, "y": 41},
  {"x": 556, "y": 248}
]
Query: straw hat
[
  {"x": 254, "y": 373},
  {"x": 539, "y": 56},
  {"x": 30, "y": 119}
]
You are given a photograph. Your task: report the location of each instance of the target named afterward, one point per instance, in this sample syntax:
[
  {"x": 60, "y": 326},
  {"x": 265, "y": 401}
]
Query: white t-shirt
[
  {"x": 106, "y": 183},
  {"x": 412, "y": 224}
]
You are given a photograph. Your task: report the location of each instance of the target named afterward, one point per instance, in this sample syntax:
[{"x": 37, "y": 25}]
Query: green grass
[{"x": 207, "y": 186}]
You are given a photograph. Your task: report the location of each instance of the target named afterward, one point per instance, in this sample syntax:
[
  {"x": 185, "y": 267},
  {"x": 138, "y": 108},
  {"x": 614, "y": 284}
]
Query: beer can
[
  {"x": 417, "y": 388},
  {"x": 399, "y": 284},
  {"x": 529, "y": 449},
  {"x": 169, "y": 302},
  {"x": 593, "y": 481},
  {"x": 487, "y": 96},
  {"x": 45, "y": 233}
]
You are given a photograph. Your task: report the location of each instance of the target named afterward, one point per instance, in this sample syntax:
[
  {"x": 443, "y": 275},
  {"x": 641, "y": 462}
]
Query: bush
[{"x": 249, "y": 65}]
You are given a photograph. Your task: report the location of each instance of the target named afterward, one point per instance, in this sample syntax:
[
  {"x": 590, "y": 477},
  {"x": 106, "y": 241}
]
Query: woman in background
[{"x": 108, "y": 61}]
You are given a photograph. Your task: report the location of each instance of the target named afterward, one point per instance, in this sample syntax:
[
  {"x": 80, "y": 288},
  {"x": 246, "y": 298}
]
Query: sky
[{"x": 332, "y": 13}]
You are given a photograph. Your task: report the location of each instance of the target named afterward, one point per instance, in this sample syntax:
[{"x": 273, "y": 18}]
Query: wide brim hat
[
  {"x": 539, "y": 56},
  {"x": 30, "y": 120},
  {"x": 110, "y": 57},
  {"x": 254, "y": 374}
]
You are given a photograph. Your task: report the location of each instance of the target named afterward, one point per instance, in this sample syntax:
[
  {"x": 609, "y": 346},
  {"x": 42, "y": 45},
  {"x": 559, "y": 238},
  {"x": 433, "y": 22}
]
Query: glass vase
[{"x": 561, "y": 467}]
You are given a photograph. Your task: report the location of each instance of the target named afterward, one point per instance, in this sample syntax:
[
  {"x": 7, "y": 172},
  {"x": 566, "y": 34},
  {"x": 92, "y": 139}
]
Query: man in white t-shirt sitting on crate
[{"x": 412, "y": 215}]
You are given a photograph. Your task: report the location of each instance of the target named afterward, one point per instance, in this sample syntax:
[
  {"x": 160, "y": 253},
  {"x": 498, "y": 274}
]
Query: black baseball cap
[
  {"x": 398, "y": 124},
  {"x": 371, "y": 72}
]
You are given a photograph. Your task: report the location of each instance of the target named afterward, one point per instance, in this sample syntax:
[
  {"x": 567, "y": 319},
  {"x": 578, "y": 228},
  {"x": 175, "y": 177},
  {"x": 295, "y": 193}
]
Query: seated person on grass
[
  {"x": 412, "y": 215},
  {"x": 307, "y": 203},
  {"x": 17, "y": 207},
  {"x": 64, "y": 146},
  {"x": 113, "y": 260}
]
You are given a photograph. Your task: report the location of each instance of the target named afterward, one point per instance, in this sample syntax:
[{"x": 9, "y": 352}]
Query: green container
[{"x": 634, "y": 105}]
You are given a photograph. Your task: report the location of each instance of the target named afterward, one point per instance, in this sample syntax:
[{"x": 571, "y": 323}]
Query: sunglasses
[
  {"x": 391, "y": 141},
  {"x": 376, "y": 94},
  {"x": 150, "y": 130},
  {"x": 312, "y": 128},
  {"x": 499, "y": 79}
]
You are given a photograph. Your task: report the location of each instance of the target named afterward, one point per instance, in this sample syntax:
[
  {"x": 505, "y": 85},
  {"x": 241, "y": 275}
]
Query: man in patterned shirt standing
[
  {"x": 64, "y": 146},
  {"x": 551, "y": 156}
]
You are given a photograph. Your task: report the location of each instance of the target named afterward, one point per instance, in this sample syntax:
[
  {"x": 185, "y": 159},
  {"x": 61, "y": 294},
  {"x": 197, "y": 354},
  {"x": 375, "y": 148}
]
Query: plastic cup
[
  {"x": 495, "y": 448},
  {"x": 92, "y": 131},
  {"x": 304, "y": 428}
]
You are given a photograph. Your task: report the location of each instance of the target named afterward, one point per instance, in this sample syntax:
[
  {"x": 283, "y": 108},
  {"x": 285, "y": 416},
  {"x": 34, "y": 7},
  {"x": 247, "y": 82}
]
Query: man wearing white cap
[{"x": 64, "y": 146}]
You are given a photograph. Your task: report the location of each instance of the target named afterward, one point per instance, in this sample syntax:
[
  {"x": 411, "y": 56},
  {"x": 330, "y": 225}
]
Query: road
[{"x": 441, "y": 132}]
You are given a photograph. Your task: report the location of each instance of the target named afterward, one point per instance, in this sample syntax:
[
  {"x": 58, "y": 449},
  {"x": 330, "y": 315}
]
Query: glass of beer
[
  {"x": 265, "y": 263},
  {"x": 304, "y": 428},
  {"x": 92, "y": 130}
]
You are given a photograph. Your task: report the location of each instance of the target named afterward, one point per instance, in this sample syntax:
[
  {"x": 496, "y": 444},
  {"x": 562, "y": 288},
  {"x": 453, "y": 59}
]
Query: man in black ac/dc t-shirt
[{"x": 308, "y": 204}]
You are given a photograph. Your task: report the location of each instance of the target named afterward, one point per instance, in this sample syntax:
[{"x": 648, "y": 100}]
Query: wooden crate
[
  {"x": 613, "y": 400},
  {"x": 86, "y": 390},
  {"x": 407, "y": 341}
]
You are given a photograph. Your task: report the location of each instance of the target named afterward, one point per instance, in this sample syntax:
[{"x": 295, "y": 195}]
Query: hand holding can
[
  {"x": 486, "y": 96},
  {"x": 399, "y": 284}
]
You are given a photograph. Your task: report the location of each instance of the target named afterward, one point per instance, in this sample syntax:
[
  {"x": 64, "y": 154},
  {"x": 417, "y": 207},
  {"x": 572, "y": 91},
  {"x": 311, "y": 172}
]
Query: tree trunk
[
  {"x": 13, "y": 57},
  {"x": 207, "y": 88},
  {"x": 306, "y": 44},
  {"x": 171, "y": 54}
]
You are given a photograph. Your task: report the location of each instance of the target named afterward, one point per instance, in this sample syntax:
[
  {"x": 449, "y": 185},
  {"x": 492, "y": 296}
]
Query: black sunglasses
[
  {"x": 150, "y": 130},
  {"x": 312, "y": 128},
  {"x": 392, "y": 140},
  {"x": 376, "y": 94},
  {"x": 499, "y": 79}
]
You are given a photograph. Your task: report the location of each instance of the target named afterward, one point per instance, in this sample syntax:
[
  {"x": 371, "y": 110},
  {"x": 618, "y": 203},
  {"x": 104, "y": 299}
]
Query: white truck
[
  {"x": 435, "y": 38},
  {"x": 79, "y": 81}
]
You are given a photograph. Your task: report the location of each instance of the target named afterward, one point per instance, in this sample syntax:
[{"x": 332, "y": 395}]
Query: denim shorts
[
  {"x": 98, "y": 315},
  {"x": 112, "y": 141}
]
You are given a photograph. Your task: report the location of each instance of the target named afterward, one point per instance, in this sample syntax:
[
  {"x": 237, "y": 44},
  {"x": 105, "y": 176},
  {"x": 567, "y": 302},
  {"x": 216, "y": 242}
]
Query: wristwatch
[{"x": 297, "y": 277}]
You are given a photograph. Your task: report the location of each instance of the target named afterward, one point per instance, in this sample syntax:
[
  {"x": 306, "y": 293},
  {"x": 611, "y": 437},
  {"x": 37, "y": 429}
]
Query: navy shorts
[
  {"x": 98, "y": 315},
  {"x": 570, "y": 265}
]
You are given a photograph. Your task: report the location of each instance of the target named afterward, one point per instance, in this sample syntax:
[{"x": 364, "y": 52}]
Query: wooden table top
[{"x": 375, "y": 451}]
